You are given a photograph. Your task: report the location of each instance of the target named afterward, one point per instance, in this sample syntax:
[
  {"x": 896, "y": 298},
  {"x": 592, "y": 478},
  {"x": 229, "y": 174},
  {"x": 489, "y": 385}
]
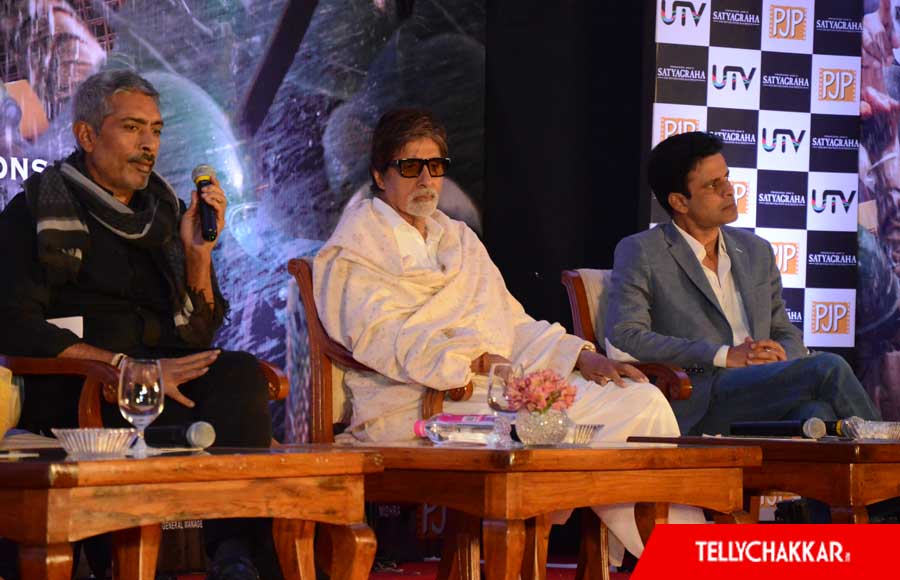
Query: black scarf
[{"x": 58, "y": 198}]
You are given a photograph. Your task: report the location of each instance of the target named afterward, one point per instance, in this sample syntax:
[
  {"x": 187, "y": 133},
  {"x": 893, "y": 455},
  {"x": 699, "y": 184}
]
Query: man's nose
[
  {"x": 149, "y": 141},
  {"x": 424, "y": 176}
]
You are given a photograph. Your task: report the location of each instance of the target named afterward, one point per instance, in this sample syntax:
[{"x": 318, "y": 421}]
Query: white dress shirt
[
  {"x": 723, "y": 287},
  {"x": 416, "y": 252}
]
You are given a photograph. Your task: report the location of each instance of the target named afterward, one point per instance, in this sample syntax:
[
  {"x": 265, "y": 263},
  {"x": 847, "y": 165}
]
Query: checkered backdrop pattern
[{"x": 778, "y": 82}]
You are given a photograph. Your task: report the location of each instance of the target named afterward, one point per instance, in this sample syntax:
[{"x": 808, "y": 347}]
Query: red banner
[{"x": 792, "y": 552}]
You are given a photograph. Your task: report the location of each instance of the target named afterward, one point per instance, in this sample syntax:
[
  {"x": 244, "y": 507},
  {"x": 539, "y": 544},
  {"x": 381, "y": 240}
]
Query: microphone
[
  {"x": 196, "y": 435},
  {"x": 837, "y": 428},
  {"x": 813, "y": 428},
  {"x": 202, "y": 176}
]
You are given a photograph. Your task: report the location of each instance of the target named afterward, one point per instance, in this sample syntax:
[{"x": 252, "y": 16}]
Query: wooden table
[
  {"x": 507, "y": 487},
  {"x": 847, "y": 475},
  {"x": 46, "y": 502}
]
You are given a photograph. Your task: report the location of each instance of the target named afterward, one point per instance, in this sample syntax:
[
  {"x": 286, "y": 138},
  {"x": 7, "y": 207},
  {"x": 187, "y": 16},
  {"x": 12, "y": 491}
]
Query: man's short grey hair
[{"x": 91, "y": 103}]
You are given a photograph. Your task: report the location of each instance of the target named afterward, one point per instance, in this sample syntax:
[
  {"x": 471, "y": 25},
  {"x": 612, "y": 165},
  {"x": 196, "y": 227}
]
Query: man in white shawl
[{"x": 414, "y": 295}]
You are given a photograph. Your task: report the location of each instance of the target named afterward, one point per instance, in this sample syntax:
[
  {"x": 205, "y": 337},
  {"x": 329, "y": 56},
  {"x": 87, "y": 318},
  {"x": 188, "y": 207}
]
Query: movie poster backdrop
[
  {"x": 280, "y": 96},
  {"x": 779, "y": 82}
]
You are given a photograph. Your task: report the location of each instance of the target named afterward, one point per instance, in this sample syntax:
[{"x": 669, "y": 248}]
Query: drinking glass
[
  {"x": 140, "y": 397},
  {"x": 499, "y": 375}
]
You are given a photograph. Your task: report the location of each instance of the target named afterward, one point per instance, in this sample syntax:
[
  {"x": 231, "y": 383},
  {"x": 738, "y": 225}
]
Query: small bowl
[{"x": 96, "y": 443}]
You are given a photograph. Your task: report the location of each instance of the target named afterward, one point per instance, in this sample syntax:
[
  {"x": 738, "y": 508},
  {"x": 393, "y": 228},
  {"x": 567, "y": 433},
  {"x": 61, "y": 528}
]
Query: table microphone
[
  {"x": 813, "y": 428},
  {"x": 196, "y": 435}
]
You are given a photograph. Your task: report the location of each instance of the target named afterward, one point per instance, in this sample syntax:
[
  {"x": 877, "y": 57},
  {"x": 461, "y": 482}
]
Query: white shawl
[{"x": 422, "y": 327}]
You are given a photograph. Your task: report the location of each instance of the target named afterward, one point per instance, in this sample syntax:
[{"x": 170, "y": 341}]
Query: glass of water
[
  {"x": 499, "y": 375},
  {"x": 141, "y": 397}
]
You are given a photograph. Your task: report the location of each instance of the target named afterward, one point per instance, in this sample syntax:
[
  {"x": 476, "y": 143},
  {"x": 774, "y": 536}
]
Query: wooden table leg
[
  {"x": 537, "y": 540},
  {"x": 504, "y": 546},
  {"x": 135, "y": 552},
  {"x": 593, "y": 551},
  {"x": 751, "y": 506},
  {"x": 354, "y": 552},
  {"x": 52, "y": 562},
  {"x": 461, "y": 552},
  {"x": 294, "y": 545},
  {"x": 647, "y": 515},
  {"x": 849, "y": 515}
]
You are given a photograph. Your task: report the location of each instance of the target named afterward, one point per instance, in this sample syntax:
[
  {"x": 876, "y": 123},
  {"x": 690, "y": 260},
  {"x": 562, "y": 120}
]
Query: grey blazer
[{"x": 662, "y": 308}]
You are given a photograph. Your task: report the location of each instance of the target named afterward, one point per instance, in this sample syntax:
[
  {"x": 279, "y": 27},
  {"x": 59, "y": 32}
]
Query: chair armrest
[
  {"x": 670, "y": 379},
  {"x": 25, "y": 365},
  {"x": 279, "y": 386},
  {"x": 100, "y": 379},
  {"x": 433, "y": 401}
]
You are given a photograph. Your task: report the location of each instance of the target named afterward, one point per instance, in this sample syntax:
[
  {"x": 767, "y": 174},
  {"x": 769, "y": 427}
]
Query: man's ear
[
  {"x": 678, "y": 202},
  {"x": 379, "y": 180},
  {"x": 85, "y": 135}
]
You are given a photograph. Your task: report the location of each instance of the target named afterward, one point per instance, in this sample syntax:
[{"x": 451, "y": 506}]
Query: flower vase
[{"x": 542, "y": 428}]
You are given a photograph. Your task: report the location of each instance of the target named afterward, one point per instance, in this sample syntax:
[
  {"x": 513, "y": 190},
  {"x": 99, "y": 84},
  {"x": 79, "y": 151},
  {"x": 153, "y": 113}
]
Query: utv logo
[
  {"x": 669, "y": 126},
  {"x": 681, "y": 7},
  {"x": 741, "y": 189},
  {"x": 784, "y": 136},
  {"x": 830, "y": 317},
  {"x": 787, "y": 22},
  {"x": 787, "y": 256},
  {"x": 833, "y": 195},
  {"x": 732, "y": 73},
  {"x": 836, "y": 84}
]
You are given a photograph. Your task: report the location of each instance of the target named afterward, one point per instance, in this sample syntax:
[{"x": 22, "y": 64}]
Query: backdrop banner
[
  {"x": 779, "y": 82},
  {"x": 279, "y": 96}
]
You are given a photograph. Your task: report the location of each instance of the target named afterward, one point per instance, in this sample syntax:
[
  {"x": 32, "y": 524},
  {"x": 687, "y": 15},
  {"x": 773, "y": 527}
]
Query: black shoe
[{"x": 234, "y": 568}]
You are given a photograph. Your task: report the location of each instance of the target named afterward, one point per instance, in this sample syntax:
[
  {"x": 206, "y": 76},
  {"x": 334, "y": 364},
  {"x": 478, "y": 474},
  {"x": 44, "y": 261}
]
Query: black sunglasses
[{"x": 412, "y": 167}]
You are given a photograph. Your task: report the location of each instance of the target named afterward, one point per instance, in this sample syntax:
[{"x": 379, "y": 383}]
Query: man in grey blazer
[{"x": 705, "y": 296}]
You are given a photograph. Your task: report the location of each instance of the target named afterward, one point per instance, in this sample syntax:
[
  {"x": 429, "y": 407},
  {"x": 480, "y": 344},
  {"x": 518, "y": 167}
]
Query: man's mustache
[
  {"x": 151, "y": 159},
  {"x": 430, "y": 192}
]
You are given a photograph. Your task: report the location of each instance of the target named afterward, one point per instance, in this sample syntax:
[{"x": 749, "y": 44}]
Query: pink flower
[{"x": 540, "y": 391}]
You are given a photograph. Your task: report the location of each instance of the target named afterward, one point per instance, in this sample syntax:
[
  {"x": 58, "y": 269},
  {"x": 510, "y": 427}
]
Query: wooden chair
[
  {"x": 588, "y": 299},
  {"x": 325, "y": 353}
]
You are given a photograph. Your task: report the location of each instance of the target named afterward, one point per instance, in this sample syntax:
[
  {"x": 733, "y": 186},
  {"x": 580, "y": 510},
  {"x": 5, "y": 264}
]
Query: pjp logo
[
  {"x": 787, "y": 22},
  {"x": 830, "y": 317},
  {"x": 682, "y": 8},
  {"x": 732, "y": 73},
  {"x": 837, "y": 84},
  {"x": 784, "y": 136},
  {"x": 669, "y": 126},
  {"x": 787, "y": 257},
  {"x": 741, "y": 189},
  {"x": 834, "y": 195}
]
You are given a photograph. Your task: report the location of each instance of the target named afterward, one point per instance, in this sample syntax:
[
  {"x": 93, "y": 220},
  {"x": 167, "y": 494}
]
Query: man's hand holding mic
[
  {"x": 192, "y": 222},
  {"x": 199, "y": 230}
]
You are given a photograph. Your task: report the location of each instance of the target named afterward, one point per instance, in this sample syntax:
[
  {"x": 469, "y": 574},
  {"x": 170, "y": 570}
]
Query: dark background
[{"x": 567, "y": 110}]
